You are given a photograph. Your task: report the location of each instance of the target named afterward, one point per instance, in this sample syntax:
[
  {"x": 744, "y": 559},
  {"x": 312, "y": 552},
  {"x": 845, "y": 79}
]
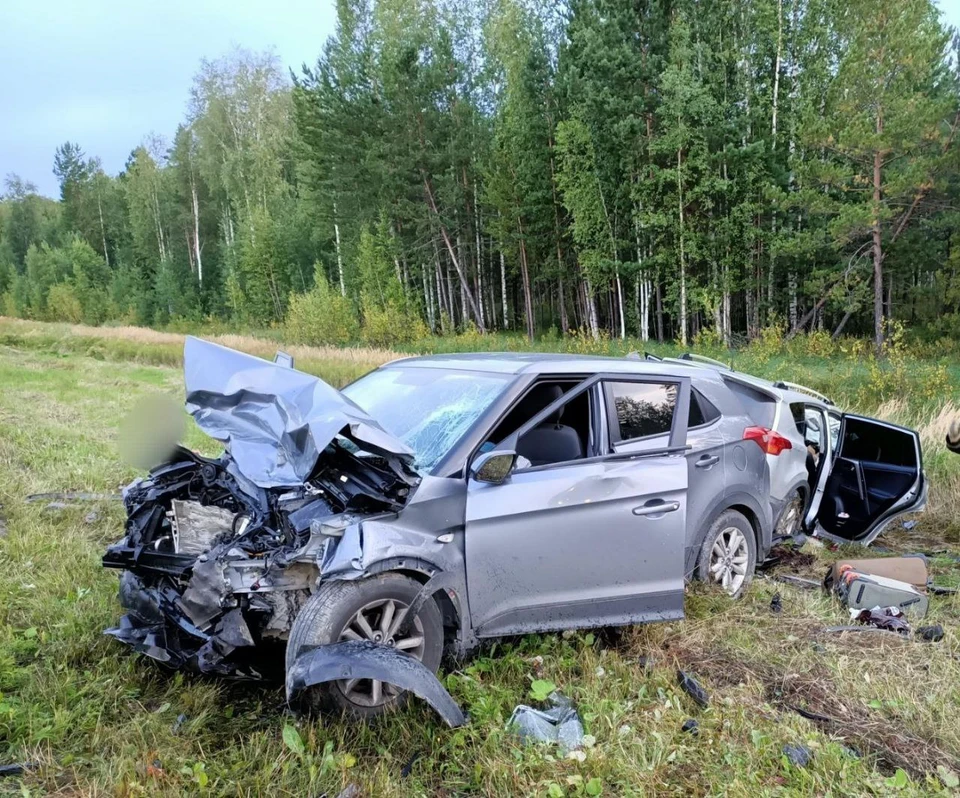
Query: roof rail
[
  {"x": 690, "y": 356},
  {"x": 793, "y": 386}
]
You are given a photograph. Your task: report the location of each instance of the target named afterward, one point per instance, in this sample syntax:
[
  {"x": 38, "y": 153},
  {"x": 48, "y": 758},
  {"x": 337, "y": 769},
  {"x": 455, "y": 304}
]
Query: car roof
[
  {"x": 546, "y": 363},
  {"x": 513, "y": 363}
]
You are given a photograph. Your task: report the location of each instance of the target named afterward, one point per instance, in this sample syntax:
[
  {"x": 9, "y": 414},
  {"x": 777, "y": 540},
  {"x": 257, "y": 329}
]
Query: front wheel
[
  {"x": 728, "y": 554},
  {"x": 367, "y": 609}
]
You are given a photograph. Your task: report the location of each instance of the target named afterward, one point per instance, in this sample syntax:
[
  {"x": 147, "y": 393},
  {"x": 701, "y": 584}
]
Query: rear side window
[
  {"x": 701, "y": 410},
  {"x": 761, "y": 409},
  {"x": 643, "y": 408},
  {"x": 799, "y": 417}
]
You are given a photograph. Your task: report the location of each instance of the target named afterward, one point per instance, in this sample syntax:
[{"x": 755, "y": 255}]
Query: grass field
[{"x": 93, "y": 719}]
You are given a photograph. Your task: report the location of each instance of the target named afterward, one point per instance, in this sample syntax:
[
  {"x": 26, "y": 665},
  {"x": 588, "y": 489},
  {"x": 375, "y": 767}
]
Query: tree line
[{"x": 663, "y": 169}]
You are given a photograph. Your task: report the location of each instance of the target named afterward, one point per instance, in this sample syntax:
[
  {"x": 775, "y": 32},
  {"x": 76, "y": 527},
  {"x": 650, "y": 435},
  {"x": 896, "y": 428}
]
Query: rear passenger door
[
  {"x": 707, "y": 450},
  {"x": 876, "y": 476}
]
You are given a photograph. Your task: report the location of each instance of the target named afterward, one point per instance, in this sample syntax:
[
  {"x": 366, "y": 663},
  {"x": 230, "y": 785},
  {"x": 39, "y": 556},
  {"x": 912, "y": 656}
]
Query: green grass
[{"x": 96, "y": 719}]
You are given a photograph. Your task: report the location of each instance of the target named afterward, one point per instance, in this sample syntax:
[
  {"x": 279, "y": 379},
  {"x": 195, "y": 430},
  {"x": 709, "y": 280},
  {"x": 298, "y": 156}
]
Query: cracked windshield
[{"x": 428, "y": 409}]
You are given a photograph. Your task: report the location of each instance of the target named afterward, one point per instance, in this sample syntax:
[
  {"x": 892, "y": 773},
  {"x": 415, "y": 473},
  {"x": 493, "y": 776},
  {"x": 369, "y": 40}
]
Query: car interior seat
[{"x": 551, "y": 441}]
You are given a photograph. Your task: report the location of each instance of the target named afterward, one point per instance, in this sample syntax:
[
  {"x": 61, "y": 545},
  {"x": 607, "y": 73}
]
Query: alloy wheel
[
  {"x": 789, "y": 523},
  {"x": 728, "y": 560},
  {"x": 379, "y": 622}
]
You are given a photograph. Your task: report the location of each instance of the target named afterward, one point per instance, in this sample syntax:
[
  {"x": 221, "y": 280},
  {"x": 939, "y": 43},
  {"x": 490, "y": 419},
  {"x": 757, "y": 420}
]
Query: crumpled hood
[{"x": 274, "y": 420}]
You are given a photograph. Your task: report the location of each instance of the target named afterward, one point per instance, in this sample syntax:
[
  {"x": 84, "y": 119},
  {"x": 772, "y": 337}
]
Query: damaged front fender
[{"x": 361, "y": 659}]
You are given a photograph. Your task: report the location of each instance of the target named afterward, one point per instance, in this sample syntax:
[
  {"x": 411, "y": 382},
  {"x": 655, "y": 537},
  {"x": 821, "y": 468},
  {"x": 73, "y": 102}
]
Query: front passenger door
[{"x": 590, "y": 542}]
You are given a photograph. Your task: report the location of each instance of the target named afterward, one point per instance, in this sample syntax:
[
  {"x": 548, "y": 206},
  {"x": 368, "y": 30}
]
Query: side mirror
[
  {"x": 283, "y": 359},
  {"x": 493, "y": 467}
]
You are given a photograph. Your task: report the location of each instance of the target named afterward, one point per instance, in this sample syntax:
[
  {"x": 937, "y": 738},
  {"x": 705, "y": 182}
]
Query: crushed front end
[{"x": 219, "y": 554}]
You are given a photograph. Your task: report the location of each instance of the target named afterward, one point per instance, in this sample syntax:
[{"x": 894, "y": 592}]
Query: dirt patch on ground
[{"x": 790, "y": 559}]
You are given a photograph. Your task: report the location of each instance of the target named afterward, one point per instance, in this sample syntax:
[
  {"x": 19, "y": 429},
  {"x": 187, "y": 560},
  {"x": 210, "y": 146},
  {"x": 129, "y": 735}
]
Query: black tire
[
  {"x": 728, "y": 520},
  {"x": 791, "y": 518},
  {"x": 327, "y": 614}
]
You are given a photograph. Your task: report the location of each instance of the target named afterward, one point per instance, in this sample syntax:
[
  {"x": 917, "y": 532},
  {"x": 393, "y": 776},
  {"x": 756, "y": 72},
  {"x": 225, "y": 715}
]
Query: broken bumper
[{"x": 361, "y": 659}]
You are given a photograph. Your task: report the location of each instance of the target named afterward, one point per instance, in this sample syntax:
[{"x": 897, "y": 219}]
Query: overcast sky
[{"x": 105, "y": 73}]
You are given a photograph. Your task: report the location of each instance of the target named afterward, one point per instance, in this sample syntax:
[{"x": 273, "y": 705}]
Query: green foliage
[
  {"x": 625, "y": 168},
  {"x": 262, "y": 273},
  {"x": 540, "y": 689},
  {"x": 321, "y": 317},
  {"x": 390, "y": 326}
]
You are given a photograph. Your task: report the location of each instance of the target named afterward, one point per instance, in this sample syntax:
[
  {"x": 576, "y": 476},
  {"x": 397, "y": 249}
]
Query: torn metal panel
[
  {"x": 366, "y": 660},
  {"x": 274, "y": 420}
]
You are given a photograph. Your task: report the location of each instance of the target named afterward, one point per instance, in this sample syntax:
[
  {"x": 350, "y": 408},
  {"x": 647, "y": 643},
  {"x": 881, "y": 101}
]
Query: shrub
[
  {"x": 392, "y": 325},
  {"x": 63, "y": 304},
  {"x": 321, "y": 316}
]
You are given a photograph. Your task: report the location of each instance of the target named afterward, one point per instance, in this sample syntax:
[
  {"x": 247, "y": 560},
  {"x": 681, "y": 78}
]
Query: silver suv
[{"x": 434, "y": 503}]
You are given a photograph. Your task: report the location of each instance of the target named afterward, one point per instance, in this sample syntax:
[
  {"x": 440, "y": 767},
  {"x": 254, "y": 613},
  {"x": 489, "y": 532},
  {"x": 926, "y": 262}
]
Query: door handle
[
  {"x": 707, "y": 461},
  {"x": 656, "y": 507}
]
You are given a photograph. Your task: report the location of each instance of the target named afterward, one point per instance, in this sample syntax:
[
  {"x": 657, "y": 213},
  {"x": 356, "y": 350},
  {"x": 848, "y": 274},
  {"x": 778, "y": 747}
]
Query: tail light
[{"x": 771, "y": 442}]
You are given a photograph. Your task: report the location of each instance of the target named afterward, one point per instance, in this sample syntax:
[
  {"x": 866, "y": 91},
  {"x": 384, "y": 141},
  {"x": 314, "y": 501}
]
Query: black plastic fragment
[
  {"x": 690, "y": 726},
  {"x": 814, "y": 716},
  {"x": 407, "y": 769},
  {"x": 932, "y": 634},
  {"x": 776, "y": 604},
  {"x": 939, "y": 590},
  {"x": 15, "y": 769},
  {"x": 798, "y": 755},
  {"x": 362, "y": 659},
  {"x": 693, "y": 689}
]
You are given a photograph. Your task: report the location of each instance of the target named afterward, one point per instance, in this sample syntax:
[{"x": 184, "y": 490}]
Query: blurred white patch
[{"x": 151, "y": 431}]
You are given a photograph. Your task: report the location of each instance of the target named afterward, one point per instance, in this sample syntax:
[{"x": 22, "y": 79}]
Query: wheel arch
[
  {"x": 447, "y": 591},
  {"x": 749, "y": 508}
]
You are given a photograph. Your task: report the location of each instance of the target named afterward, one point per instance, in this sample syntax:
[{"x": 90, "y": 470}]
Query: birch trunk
[
  {"x": 683, "y": 266},
  {"x": 196, "y": 228},
  {"x": 336, "y": 238}
]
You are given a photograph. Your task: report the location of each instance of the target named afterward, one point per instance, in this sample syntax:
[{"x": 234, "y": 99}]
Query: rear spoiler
[{"x": 792, "y": 386}]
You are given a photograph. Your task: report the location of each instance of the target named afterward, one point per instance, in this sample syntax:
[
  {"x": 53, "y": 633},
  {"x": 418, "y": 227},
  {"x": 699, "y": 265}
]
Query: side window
[
  {"x": 701, "y": 410},
  {"x": 813, "y": 428},
  {"x": 641, "y": 409}
]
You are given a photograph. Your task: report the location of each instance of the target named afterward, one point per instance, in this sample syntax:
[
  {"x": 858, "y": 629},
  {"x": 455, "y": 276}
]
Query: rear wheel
[
  {"x": 791, "y": 518},
  {"x": 368, "y": 609},
  {"x": 728, "y": 554}
]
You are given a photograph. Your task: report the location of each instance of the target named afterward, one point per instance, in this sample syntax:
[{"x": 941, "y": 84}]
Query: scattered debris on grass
[
  {"x": 690, "y": 726},
  {"x": 931, "y": 634},
  {"x": 776, "y": 604},
  {"x": 692, "y": 688},
  {"x": 178, "y": 723},
  {"x": 814, "y": 695},
  {"x": 889, "y": 618},
  {"x": 798, "y": 755},
  {"x": 407, "y": 769},
  {"x": 560, "y": 723},
  {"x": 15, "y": 769}
]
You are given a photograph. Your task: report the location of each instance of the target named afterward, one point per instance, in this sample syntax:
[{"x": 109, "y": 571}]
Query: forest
[{"x": 679, "y": 170}]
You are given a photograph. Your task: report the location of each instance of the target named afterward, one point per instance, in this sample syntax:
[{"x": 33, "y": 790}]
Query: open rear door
[{"x": 876, "y": 476}]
